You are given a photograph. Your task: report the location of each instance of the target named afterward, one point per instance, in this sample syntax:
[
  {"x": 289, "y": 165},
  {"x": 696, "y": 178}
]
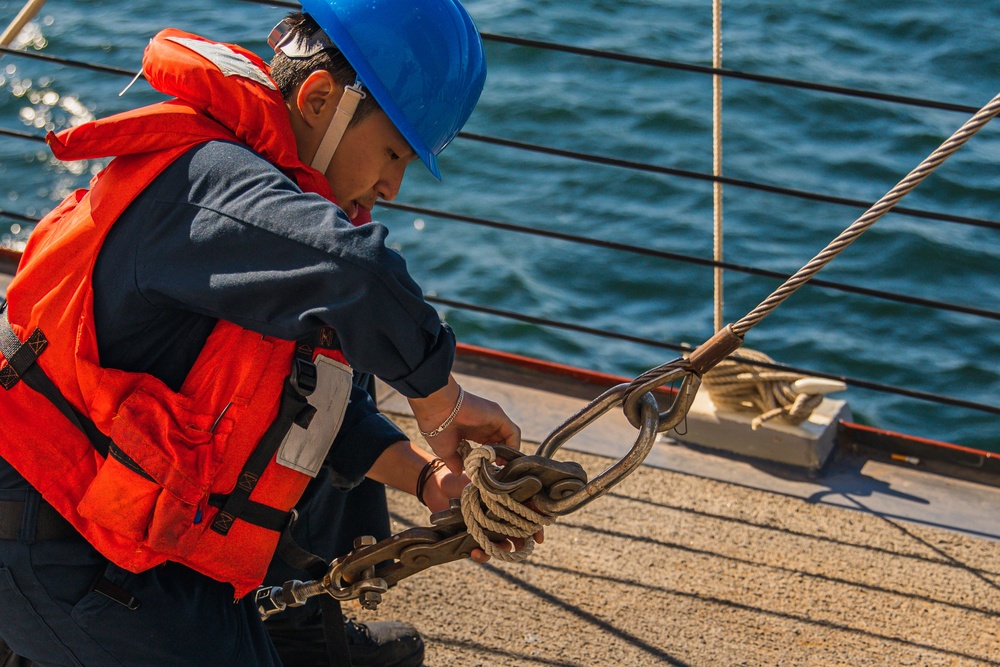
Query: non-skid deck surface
[{"x": 676, "y": 569}]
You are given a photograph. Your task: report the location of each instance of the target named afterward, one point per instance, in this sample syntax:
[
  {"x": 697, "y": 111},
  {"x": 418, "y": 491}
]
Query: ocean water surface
[{"x": 787, "y": 137}]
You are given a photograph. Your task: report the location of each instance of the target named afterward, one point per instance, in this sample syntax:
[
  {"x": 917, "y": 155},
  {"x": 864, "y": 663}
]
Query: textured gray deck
[
  {"x": 676, "y": 568},
  {"x": 883, "y": 489}
]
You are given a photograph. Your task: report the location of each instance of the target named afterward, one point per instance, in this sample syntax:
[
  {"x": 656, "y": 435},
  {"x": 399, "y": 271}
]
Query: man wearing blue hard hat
[
  {"x": 208, "y": 318},
  {"x": 335, "y": 58}
]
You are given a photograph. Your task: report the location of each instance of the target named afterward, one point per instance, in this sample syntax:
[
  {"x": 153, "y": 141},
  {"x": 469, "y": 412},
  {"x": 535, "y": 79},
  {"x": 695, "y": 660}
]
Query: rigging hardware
[{"x": 363, "y": 572}]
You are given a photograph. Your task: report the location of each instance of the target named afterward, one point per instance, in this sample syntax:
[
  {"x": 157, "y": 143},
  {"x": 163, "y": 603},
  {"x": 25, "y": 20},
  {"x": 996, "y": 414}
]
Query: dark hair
[{"x": 289, "y": 73}]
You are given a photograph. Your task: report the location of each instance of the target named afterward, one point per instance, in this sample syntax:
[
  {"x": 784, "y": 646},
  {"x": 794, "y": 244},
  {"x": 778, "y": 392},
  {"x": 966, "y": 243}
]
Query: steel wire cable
[
  {"x": 31, "y": 136},
  {"x": 870, "y": 217},
  {"x": 752, "y": 318},
  {"x": 696, "y": 69},
  {"x": 741, "y": 183},
  {"x": 734, "y": 74},
  {"x": 602, "y": 333},
  {"x": 69, "y": 62},
  {"x": 659, "y": 254},
  {"x": 20, "y": 217},
  {"x": 591, "y": 158},
  {"x": 718, "y": 244}
]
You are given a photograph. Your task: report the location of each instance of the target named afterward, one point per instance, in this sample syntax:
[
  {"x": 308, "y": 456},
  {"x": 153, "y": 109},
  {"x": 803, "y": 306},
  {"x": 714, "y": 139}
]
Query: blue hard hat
[{"x": 422, "y": 60}]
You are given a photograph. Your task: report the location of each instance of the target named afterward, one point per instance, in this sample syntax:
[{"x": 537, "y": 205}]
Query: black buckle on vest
[
  {"x": 113, "y": 591},
  {"x": 303, "y": 377}
]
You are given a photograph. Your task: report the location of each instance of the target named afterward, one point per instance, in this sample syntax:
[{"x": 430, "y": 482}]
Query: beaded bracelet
[
  {"x": 426, "y": 473},
  {"x": 450, "y": 419}
]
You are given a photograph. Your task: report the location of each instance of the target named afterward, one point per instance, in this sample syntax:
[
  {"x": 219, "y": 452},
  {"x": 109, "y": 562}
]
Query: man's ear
[{"x": 317, "y": 98}]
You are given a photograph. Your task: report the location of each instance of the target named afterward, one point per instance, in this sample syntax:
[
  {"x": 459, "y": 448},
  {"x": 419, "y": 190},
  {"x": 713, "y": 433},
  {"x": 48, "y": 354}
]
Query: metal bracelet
[{"x": 450, "y": 419}]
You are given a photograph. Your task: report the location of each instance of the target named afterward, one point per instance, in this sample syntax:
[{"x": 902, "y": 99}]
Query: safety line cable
[
  {"x": 602, "y": 333},
  {"x": 69, "y": 62},
  {"x": 854, "y": 382},
  {"x": 690, "y": 259},
  {"x": 596, "y": 159},
  {"x": 659, "y": 254},
  {"x": 766, "y": 307},
  {"x": 638, "y": 166},
  {"x": 611, "y": 335},
  {"x": 20, "y": 217},
  {"x": 22, "y": 135},
  {"x": 872, "y": 215},
  {"x": 695, "y": 175},
  {"x": 697, "y": 69},
  {"x": 733, "y": 74}
]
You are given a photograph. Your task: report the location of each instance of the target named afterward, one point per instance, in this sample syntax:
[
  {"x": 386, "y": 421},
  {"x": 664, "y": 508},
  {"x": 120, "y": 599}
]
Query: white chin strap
[{"x": 335, "y": 131}]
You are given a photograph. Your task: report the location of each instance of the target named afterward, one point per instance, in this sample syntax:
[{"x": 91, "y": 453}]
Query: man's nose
[{"x": 389, "y": 184}]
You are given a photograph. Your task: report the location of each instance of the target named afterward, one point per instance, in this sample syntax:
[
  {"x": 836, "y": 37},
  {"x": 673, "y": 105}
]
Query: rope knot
[{"x": 486, "y": 510}]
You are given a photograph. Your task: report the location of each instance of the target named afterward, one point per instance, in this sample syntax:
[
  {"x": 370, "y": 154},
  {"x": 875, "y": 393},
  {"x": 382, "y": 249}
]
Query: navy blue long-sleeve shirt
[{"x": 223, "y": 234}]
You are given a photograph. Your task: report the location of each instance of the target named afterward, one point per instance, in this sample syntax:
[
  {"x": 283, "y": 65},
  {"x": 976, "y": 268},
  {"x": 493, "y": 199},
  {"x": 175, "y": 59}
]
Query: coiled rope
[
  {"x": 738, "y": 384},
  {"x": 486, "y": 510}
]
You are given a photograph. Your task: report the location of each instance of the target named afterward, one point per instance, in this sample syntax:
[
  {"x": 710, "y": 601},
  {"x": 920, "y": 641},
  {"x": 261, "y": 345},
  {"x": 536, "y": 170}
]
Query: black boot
[{"x": 301, "y": 643}]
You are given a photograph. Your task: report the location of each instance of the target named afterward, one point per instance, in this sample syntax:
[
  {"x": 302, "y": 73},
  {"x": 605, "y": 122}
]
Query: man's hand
[
  {"x": 476, "y": 419},
  {"x": 444, "y": 485}
]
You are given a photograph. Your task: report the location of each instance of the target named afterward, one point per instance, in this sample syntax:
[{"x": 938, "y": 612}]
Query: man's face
[{"x": 369, "y": 164}]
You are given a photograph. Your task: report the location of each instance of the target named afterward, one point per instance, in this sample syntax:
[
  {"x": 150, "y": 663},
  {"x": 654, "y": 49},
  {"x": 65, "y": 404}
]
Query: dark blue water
[{"x": 777, "y": 135}]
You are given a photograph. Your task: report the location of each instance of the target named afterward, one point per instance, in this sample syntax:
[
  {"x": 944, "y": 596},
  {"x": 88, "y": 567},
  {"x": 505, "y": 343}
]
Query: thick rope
[
  {"x": 484, "y": 509},
  {"x": 861, "y": 225},
  {"x": 739, "y": 386}
]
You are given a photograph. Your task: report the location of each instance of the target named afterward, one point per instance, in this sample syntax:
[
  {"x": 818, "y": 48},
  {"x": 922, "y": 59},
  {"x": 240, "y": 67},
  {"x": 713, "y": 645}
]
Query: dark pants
[
  {"x": 50, "y": 613},
  {"x": 330, "y": 520}
]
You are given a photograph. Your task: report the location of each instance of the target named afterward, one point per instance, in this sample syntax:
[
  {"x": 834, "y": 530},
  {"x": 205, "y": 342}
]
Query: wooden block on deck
[{"x": 807, "y": 445}]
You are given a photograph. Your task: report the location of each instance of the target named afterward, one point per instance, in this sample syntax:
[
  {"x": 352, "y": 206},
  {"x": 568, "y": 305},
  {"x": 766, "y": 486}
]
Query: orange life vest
[{"x": 180, "y": 463}]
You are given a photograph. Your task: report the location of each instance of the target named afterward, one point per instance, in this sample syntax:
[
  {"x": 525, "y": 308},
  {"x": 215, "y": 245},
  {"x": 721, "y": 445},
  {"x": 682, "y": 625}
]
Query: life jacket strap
[
  {"x": 20, "y": 356},
  {"x": 253, "y": 512},
  {"x": 293, "y": 408},
  {"x": 21, "y": 365}
]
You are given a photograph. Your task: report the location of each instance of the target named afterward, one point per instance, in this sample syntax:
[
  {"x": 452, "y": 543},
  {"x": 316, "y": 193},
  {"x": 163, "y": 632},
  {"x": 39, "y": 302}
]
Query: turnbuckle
[{"x": 372, "y": 567}]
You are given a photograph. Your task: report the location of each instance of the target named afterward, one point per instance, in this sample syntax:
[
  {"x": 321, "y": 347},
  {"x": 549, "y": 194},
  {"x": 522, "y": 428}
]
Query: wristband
[{"x": 426, "y": 473}]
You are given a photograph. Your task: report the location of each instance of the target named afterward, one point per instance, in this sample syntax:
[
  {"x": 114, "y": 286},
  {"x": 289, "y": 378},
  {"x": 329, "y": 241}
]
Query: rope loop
[{"x": 486, "y": 510}]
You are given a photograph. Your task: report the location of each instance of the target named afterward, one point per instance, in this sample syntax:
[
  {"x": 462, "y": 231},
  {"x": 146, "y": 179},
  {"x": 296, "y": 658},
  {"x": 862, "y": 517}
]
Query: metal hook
[
  {"x": 658, "y": 377},
  {"x": 619, "y": 470}
]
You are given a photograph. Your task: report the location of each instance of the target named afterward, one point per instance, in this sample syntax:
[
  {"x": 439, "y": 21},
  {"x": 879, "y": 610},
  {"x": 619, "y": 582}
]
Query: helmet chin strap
[{"x": 335, "y": 131}]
